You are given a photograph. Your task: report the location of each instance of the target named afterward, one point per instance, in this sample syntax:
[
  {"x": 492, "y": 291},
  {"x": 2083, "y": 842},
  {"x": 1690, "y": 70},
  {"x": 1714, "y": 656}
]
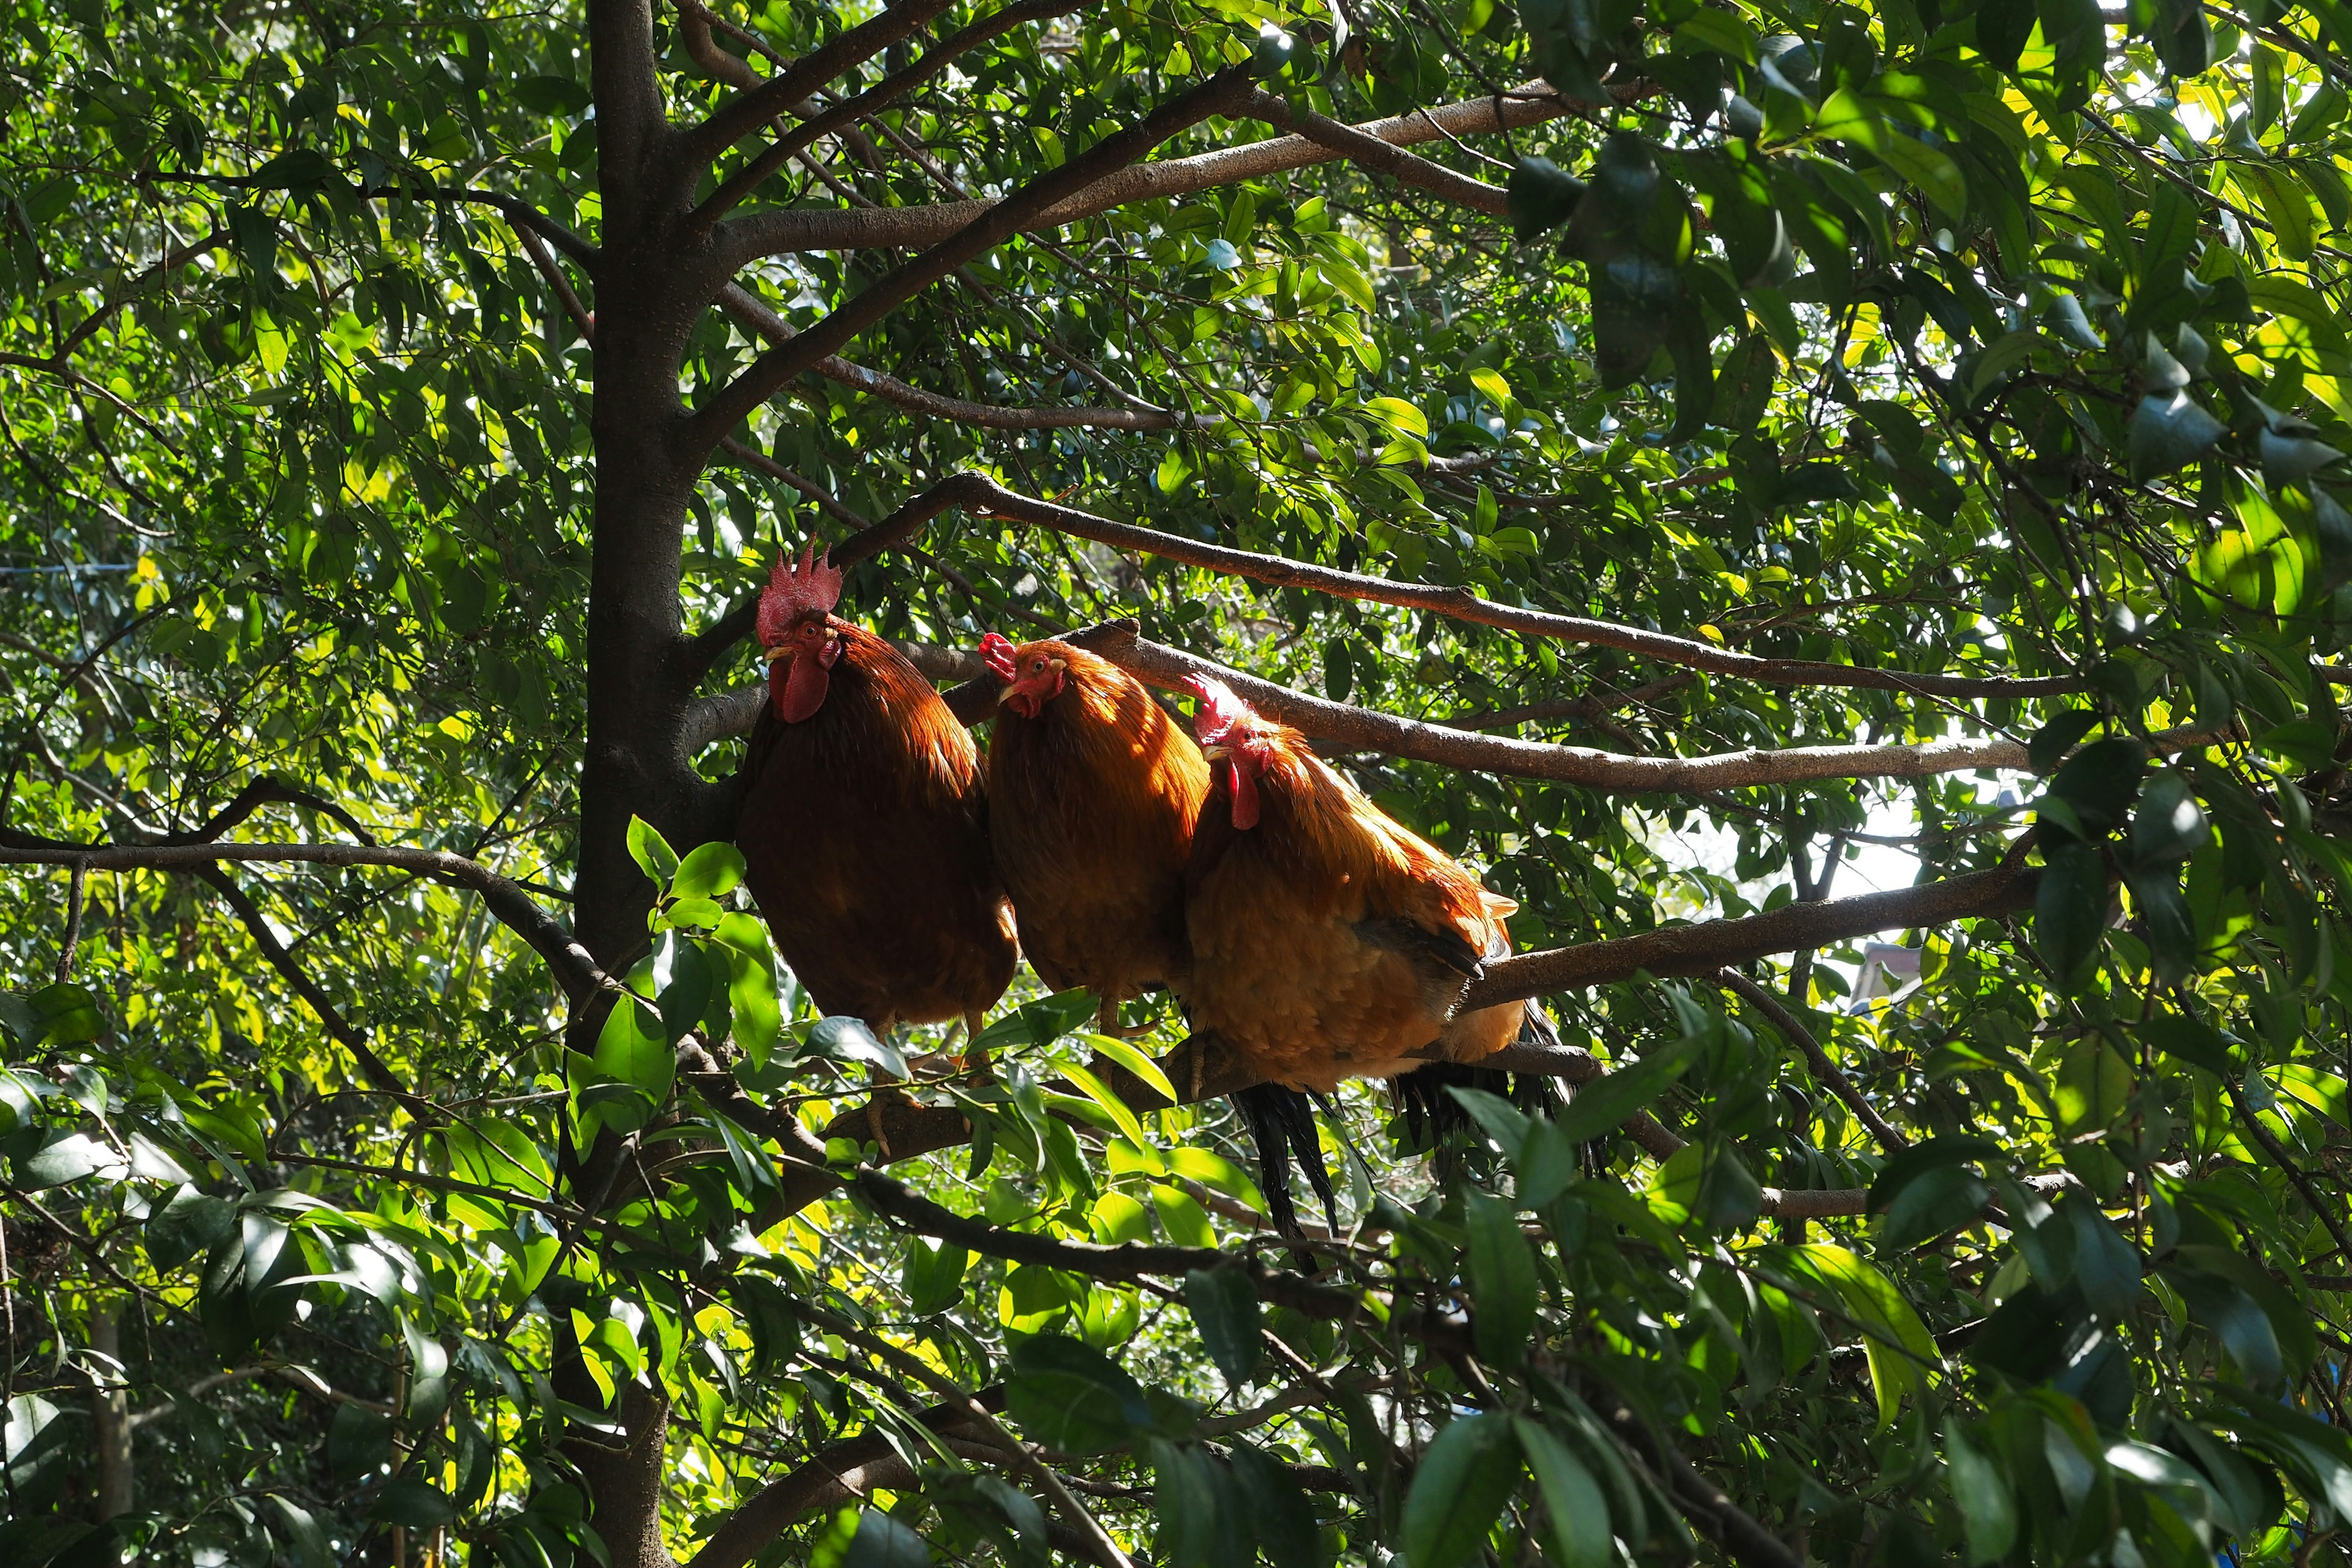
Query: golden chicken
[
  {"x": 864, "y": 827},
  {"x": 1328, "y": 942},
  {"x": 1093, "y": 792}
]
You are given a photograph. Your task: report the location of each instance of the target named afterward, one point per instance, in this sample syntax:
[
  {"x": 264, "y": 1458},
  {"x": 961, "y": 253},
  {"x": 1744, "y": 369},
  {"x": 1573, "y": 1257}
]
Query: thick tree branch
[
  {"x": 76, "y": 891},
  {"x": 624, "y": 77},
  {"x": 1343, "y": 727},
  {"x": 747, "y": 238},
  {"x": 1203, "y": 1067},
  {"x": 753, "y": 314},
  {"x": 575, "y": 971},
  {"x": 979, "y": 494},
  {"x": 780, "y": 94},
  {"x": 1705, "y": 946},
  {"x": 832, "y": 1477},
  {"x": 695, "y": 21},
  {"x": 1220, "y": 94}
]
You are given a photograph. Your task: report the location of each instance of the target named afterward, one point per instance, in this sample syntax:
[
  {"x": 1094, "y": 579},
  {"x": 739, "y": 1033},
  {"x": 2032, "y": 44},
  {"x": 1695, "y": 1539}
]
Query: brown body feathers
[
  {"x": 1092, "y": 793},
  {"x": 1328, "y": 942},
  {"x": 865, "y": 840}
]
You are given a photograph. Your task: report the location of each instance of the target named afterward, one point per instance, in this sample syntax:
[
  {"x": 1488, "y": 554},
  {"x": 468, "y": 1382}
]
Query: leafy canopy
[{"x": 1994, "y": 354}]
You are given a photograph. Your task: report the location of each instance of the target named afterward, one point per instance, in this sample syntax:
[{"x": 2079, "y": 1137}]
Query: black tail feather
[
  {"x": 1432, "y": 1115},
  {"x": 1281, "y": 1122}
]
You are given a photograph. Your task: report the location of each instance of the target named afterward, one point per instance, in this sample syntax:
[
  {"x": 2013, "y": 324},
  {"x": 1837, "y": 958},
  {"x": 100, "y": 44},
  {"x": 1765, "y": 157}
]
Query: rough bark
[
  {"x": 777, "y": 233},
  {"x": 110, "y": 1409}
]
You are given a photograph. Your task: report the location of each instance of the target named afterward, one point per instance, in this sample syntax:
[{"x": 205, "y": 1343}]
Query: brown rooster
[
  {"x": 1092, "y": 794},
  {"x": 864, "y": 830},
  {"x": 1328, "y": 942}
]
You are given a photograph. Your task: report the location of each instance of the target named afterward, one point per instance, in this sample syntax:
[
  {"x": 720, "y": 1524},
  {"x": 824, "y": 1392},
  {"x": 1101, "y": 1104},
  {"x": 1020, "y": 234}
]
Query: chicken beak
[
  {"x": 770, "y": 656},
  {"x": 1008, "y": 694},
  {"x": 1216, "y": 753}
]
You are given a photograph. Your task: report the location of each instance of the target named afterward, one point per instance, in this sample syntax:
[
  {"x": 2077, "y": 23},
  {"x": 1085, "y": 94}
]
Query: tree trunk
[{"x": 110, "y": 1409}]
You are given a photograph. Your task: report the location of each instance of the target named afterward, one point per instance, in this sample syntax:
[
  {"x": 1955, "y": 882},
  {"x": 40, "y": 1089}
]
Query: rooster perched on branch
[
  {"x": 1092, "y": 794},
  {"x": 1328, "y": 942},
  {"x": 864, "y": 831}
]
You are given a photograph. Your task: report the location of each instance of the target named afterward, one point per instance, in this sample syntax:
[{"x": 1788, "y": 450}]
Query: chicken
[
  {"x": 1328, "y": 942},
  {"x": 1092, "y": 793},
  {"x": 864, "y": 828}
]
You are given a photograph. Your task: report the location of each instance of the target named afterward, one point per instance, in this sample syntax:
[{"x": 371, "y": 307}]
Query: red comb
[
  {"x": 1220, "y": 709},
  {"x": 814, "y": 586},
  {"x": 996, "y": 652}
]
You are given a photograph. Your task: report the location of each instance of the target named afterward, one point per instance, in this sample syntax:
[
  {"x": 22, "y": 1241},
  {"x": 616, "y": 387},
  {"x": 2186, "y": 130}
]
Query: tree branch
[
  {"x": 258, "y": 926},
  {"x": 826, "y": 1480},
  {"x": 1371, "y": 152},
  {"x": 1344, "y": 727},
  {"x": 575, "y": 970},
  {"x": 1825, "y": 1070},
  {"x": 1220, "y": 94},
  {"x": 754, "y": 107},
  {"x": 791, "y": 143},
  {"x": 1705, "y": 946},
  {"x": 979, "y": 494},
  {"x": 747, "y": 238},
  {"x": 624, "y": 79},
  {"x": 753, "y": 314}
]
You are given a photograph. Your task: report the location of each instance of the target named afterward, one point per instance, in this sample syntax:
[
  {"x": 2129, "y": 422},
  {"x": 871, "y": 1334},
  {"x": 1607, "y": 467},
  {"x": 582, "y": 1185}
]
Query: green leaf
[
  {"x": 758, "y": 1020},
  {"x": 2238, "y": 1321},
  {"x": 1280, "y": 1516},
  {"x": 1069, "y": 1395},
  {"x": 2100, "y": 781},
  {"x": 311, "y": 1547},
  {"x": 1466, "y": 1476},
  {"x": 1937, "y": 1200},
  {"x": 1987, "y": 1508},
  {"x": 710, "y": 871},
  {"x": 1502, "y": 1280},
  {"x": 1574, "y": 1507},
  {"x": 2168, "y": 432},
  {"x": 414, "y": 1503},
  {"x": 1400, "y": 416},
  {"x": 1135, "y": 1061},
  {"x": 842, "y": 1039},
  {"x": 68, "y": 1157},
  {"x": 632, "y": 1048},
  {"x": 2070, "y": 908},
  {"x": 1896, "y": 1344},
  {"x": 1497, "y": 1118},
  {"x": 652, "y": 853},
  {"x": 1225, "y": 1313},
  {"x": 1541, "y": 196},
  {"x": 882, "y": 1542},
  {"x": 551, "y": 95},
  {"x": 1112, "y": 1105},
  {"x": 2105, "y": 1267},
  {"x": 1602, "y": 1106},
  {"x": 188, "y": 1223},
  {"x": 933, "y": 1277},
  {"x": 359, "y": 1442},
  {"x": 2192, "y": 1040},
  {"x": 2057, "y": 737},
  {"x": 2168, "y": 825},
  {"x": 1936, "y": 175}
]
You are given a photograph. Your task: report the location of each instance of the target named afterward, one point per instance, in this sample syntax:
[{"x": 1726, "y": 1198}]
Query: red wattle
[
  {"x": 803, "y": 692},
  {"x": 1244, "y": 797}
]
